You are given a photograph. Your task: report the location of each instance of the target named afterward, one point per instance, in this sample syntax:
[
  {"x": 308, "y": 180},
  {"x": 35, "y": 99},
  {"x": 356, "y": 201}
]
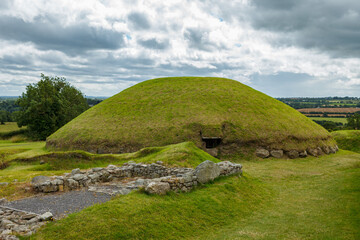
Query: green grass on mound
[
  {"x": 311, "y": 198},
  {"x": 165, "y": 111},
  {"x": 348, "y": 139}
]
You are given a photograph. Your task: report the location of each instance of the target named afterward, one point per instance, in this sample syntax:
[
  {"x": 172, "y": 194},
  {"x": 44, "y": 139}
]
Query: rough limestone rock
[
  {"x": 303, "y": 154},
  {"x": 160, "y": 188},
  {"x": 207, "y": 171},
  {"x": 229, "y": 168},
  {"x": 332, "y": 149},
  {"x": 262, "y": 153},
  {"x": 313, "y": 152},
  {"x": 46, "y": 216},
  {"x": 293, "y": 154},
  {"x": 39, "y": 180},
  {"x": 277, "y": 153},
  {"x": 326, "y": 149}
]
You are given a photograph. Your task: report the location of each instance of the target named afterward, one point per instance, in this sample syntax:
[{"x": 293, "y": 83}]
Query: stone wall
[
  {"x": 175, "y": 179},
  {"x": 279, "y": 153},
  {"x": 13, "y": 221}
]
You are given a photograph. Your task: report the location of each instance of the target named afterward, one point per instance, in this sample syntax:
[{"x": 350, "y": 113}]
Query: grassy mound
[
  {"x": 164, "y": 111},
  {"x": 348, "y": 139}
]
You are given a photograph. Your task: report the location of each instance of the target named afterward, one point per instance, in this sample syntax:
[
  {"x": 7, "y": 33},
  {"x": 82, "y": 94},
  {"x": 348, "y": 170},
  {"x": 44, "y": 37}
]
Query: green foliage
[
  {"x": 48, "y": 105},
  {"x": 354, "y": 121},
  {"x": 3, "y": 117}
]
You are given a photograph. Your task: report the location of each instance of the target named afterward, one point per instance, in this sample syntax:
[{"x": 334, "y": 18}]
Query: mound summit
[{"x": 217, "y": 113}]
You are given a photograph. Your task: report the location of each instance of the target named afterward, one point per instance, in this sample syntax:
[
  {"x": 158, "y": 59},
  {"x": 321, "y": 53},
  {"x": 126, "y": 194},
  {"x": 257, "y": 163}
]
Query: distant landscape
[{"x": 330, "y": 112}]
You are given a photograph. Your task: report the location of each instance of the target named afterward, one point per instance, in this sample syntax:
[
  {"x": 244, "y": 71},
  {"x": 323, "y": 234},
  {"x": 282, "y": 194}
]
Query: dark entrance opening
[{"x": 211, "y": 142}]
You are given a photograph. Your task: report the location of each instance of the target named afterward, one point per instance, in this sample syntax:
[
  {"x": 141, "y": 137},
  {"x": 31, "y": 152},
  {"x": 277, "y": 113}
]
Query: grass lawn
[
  {"x": 311, "y": 198},
  {"x": 9, "y": 127}
]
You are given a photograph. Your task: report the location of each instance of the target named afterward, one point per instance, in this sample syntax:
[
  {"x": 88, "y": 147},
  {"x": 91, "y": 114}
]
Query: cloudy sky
[{"x": 280, "y": 47}]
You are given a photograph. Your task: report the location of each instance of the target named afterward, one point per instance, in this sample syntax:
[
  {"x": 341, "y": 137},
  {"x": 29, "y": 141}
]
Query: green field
[
  {"x": 9, "y": 127},
  {"x": 311, "y": 198},
  {"x": 340, "y": 120}
]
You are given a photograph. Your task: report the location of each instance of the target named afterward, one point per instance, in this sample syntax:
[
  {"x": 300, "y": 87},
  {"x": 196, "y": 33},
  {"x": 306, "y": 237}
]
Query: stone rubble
[
  {"x": 292, "y": 154},
  {"x": 156, "y": 175},
  {"x": 13, "y": 221}
]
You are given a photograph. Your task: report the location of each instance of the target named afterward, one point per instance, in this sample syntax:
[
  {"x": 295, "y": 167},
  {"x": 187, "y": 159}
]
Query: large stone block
[
  {"x": 207, "y": 171},
  {"x": 160, "y": 188}
]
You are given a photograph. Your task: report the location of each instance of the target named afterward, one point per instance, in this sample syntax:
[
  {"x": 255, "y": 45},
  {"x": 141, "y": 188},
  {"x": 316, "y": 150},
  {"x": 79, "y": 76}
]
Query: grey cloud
[
  {"x": 48, "y": 33},
  {"x": 328, "y": 25},
  {"x": 199, "y": 39},
  {"x": 139, "y": 20},
  {"x": 154, "y": 43}
]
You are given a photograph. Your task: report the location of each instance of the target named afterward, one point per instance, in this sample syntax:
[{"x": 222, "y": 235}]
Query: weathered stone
[
  {"x": 20, "y": 228},
  {"x": 38, "y": 180},
  {"x": 97, "y": 169},
  {"x": 28, "y": 216},
  {"x": 313, "y": 152},
  {"x": 78, "y": 177},
  {"x": 228, "y": 168},
  {"x": 71, "y": 183},
  {"x": 320, "y": 151},
  {"x": 42, "y": 162},
  {"x": 4, "y": 183},
  {"x": 75, "y": 171},
  {"x": 207, "y": 171},
  {"x": 332, "y": 149},
  {"x": 46, "y": 216},
  {"x": 326, "y": 149},
  {"x": 160, "y": 188},
  {"x": 47, "y": 187},
  {"x": 303, "y": 154},
  {"x": 293, "y": 154},
  {"x": 262, "y": 153},
  {"x": 3, "y": 201},
  {"x": 277, "y": 153}
]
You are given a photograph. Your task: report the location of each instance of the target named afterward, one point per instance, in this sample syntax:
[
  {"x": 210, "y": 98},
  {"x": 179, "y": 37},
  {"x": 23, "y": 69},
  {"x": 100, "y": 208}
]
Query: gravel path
[{"x": 60, "y": 204}]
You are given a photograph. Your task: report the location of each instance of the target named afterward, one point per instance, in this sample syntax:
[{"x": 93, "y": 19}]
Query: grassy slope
[
  {"x": 170, "y": 110},
  {"x": 312, "y": 198},
  {"x": 348, "y": 139}
]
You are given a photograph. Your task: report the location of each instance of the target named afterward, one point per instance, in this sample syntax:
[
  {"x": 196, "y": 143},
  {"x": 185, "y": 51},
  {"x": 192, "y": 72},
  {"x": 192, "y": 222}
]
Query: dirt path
[{"x": 60, "y": 204}]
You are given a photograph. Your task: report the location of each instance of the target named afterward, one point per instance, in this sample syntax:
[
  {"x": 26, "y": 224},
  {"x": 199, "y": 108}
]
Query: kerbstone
[{"x": 207, "y": 171}]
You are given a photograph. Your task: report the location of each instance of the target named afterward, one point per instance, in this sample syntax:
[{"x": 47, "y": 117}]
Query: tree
[
  {"x": 354, "y": 121},
  {"x": 3, "y": 117},
  {"x": 48, "y": 105}
]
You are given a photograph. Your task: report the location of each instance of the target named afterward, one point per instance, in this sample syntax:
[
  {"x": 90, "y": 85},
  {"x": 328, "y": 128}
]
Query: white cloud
[{"x": 124, "y": 42}]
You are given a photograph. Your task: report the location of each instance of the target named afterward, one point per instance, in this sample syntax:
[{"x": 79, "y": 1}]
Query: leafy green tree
[
  {"x": 48, "y": 105},
  {"x": 354, "y": 121},
  {"x": 3, "y": 117}
]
